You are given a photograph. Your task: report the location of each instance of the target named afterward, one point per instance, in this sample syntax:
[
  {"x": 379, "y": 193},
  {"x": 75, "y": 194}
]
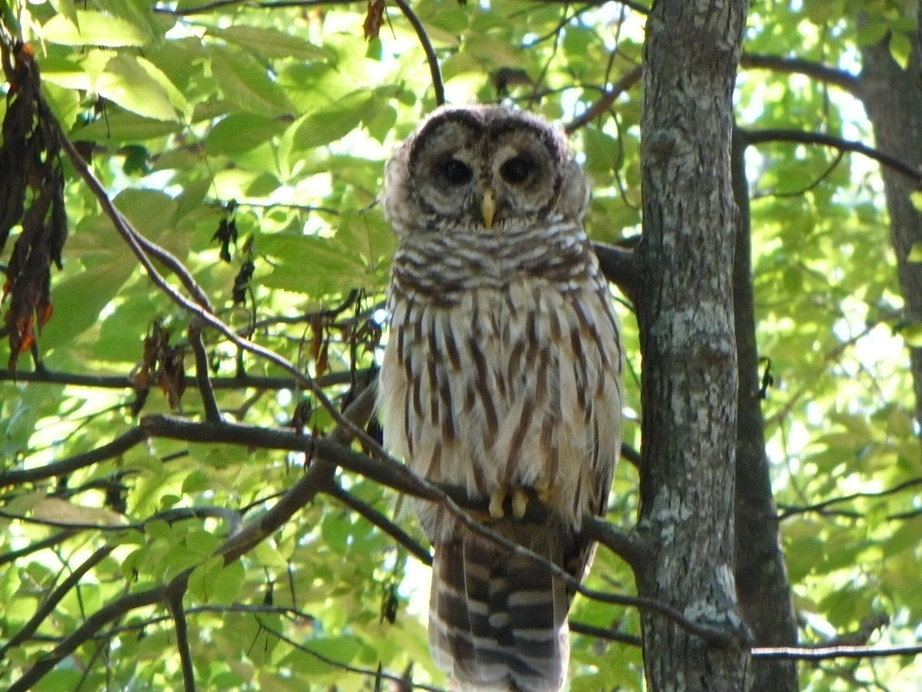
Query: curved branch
[
  {"x": 431, "y": 58},
  {"x": 823, "y": 73},
  {"x": 382, "y": 522},
  {"x": 801, "y": 137},
  {"x": 52, "y": 600},
  {"x": 789, "y": 511},
  {"x": 606, "y": 100},
  {"x": 202, "y": 379},
  {"x": 84, "y": 632},
  {"x": 119, "y": 445},
  {"x": 51, "y": 540}
]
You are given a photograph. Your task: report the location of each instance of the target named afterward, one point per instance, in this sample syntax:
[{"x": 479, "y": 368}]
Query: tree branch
[
  {"x": 801, "y": 137},
  {"x": 818, "y": 71},
  {"x": 93, "y": 623},
  {"x": 382, "y": 522},
  {"x": 606, "y": 100},
  {"x": 431, "y": 58},
  {"x": 822, "y": 653},
  {"x": 202, "y": 379},
  {"x": 119, "y": 445},
  {"x": 48, "y": 604},
  {"x": 125, "y": 381},
  {"x": 174, "y": 602},
  {"x": 790, "y": 511},
  {"x": 619, "y": 266}
]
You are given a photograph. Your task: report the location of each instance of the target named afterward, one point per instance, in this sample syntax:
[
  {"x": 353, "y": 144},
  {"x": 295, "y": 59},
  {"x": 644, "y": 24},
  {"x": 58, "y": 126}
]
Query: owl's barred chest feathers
[
  {"x": 501, "y": 366},
  {"x": 441, "y": 265}
]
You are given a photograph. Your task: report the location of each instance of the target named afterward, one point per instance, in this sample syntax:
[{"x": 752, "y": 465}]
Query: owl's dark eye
[
  {"x": 515, "y": 170},
  {"x": 456, "y": 172}
]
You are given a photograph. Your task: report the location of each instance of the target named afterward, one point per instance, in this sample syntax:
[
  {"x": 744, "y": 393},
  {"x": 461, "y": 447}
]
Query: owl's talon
[
  {"x": 543, "y": 491},
  {"x": 519, "y": 503},
  {"x": 497, "y": 499}
]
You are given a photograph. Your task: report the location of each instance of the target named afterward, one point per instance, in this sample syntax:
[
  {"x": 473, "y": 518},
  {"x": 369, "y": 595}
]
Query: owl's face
[{"x": 485, "y": 169}]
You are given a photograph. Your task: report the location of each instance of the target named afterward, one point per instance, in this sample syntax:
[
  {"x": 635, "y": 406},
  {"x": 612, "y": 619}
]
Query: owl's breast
[{"x": 510, "y": 383}]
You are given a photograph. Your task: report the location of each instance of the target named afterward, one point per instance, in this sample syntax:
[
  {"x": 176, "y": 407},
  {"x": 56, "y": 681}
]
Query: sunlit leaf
[
  {"x": 271, "y": 43},
  {"x": 246, "y": 82},
  {"x": 93, "y": 29}
]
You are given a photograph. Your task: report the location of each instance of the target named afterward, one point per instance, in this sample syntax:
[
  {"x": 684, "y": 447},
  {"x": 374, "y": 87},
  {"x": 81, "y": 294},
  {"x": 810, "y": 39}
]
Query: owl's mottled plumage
[{"x": 502, "y": 376}]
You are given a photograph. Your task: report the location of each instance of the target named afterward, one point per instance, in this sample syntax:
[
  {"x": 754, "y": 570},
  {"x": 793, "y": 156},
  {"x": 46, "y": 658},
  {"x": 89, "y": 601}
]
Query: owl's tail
[{"x": 497, "y": 620}]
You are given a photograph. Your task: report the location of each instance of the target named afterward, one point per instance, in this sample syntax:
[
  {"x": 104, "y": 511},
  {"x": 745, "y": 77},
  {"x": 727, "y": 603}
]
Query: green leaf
[
  {"x": 901, "y": 48},
  {"x": 79, "y": 300},
  {"x": 133, "y": 86},
  {"x": 125, "y": 127},
  {"x": 240, "y": 132},
  {"x": 271, "y": 43},
  {"x": 325, "y": 655},
  {"x": 93, "y": 29},
  {"x": 246, "y": 82}
]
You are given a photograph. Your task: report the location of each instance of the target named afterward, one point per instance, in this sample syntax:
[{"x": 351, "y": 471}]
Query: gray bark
[
  {"x": 685, "y": 314},
  {"x": 892, "y": 97},
  {"x": 761, "y": 574}
]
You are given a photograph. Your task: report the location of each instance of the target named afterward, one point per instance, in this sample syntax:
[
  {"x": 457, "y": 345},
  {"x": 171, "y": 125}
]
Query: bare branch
[
  {"x": 93, "y": 623},
  {"x": 212, "y": 412},
  {"x": 369, "y": 672},
  {"x": 605, "y": 633},
  {"x": 382, "y": 522},
  {"x": 431, "y": 58},
  {"x": 51, "y": 540},
  {"x": 818, "y": 71},
  {"x": 48, "y": 604},
  {"x": 822, "y": 653},
  {"x": 801, "y": 137},
  {"x": 119, "y": 445},
  {"x": 606, "y": 100},
  {"x": 790, "y": 511},
  {"x": 174, "y": 602},
  {"x": 125, "y": 381},
  {"x": 619, "y": 265}
]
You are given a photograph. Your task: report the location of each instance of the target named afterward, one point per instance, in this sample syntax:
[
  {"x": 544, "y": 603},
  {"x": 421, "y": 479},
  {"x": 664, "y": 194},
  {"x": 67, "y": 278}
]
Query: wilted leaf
[{"x": 59, "y": 511}]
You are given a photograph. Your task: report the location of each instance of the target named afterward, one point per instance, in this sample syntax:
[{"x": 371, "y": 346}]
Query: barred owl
[{"x": 501, "y": 377}]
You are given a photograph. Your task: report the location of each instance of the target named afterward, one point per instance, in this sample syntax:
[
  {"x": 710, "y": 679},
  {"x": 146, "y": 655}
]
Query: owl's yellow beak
[{"x": 488, "y": 207}]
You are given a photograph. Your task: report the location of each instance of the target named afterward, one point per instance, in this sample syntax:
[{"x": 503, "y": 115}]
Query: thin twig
[
  {"x": 382, "y": 522},
  {"x": 48, "y": 604},
  {"x": 242, "y": 381},
  {"x": 606, "y": 100},
  {"x": 202, "y": 379},
  {"x": 431, "y": 58},
  {"x": 181, "y": 628},
  {"x": 801, "y": 137}
]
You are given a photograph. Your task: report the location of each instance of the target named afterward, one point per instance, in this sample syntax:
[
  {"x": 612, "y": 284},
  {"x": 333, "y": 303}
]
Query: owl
[{"x": 501, "y": 377}]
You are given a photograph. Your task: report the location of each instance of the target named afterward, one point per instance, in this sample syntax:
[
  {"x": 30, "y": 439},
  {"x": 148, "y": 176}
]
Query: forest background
[{"x": 194, "y": 258}]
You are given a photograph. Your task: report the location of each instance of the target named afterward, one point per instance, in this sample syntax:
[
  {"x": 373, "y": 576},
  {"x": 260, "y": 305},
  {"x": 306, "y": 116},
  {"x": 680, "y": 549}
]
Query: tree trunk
[
  {"x": 892, "y": 97},
  {"x": 685, "y": 315},
  {"x": 761, "y": 574}
]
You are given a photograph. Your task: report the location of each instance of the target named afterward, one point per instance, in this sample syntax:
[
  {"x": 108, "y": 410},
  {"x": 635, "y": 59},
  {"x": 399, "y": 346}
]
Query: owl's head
[{"x": 483, "y": 168}]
